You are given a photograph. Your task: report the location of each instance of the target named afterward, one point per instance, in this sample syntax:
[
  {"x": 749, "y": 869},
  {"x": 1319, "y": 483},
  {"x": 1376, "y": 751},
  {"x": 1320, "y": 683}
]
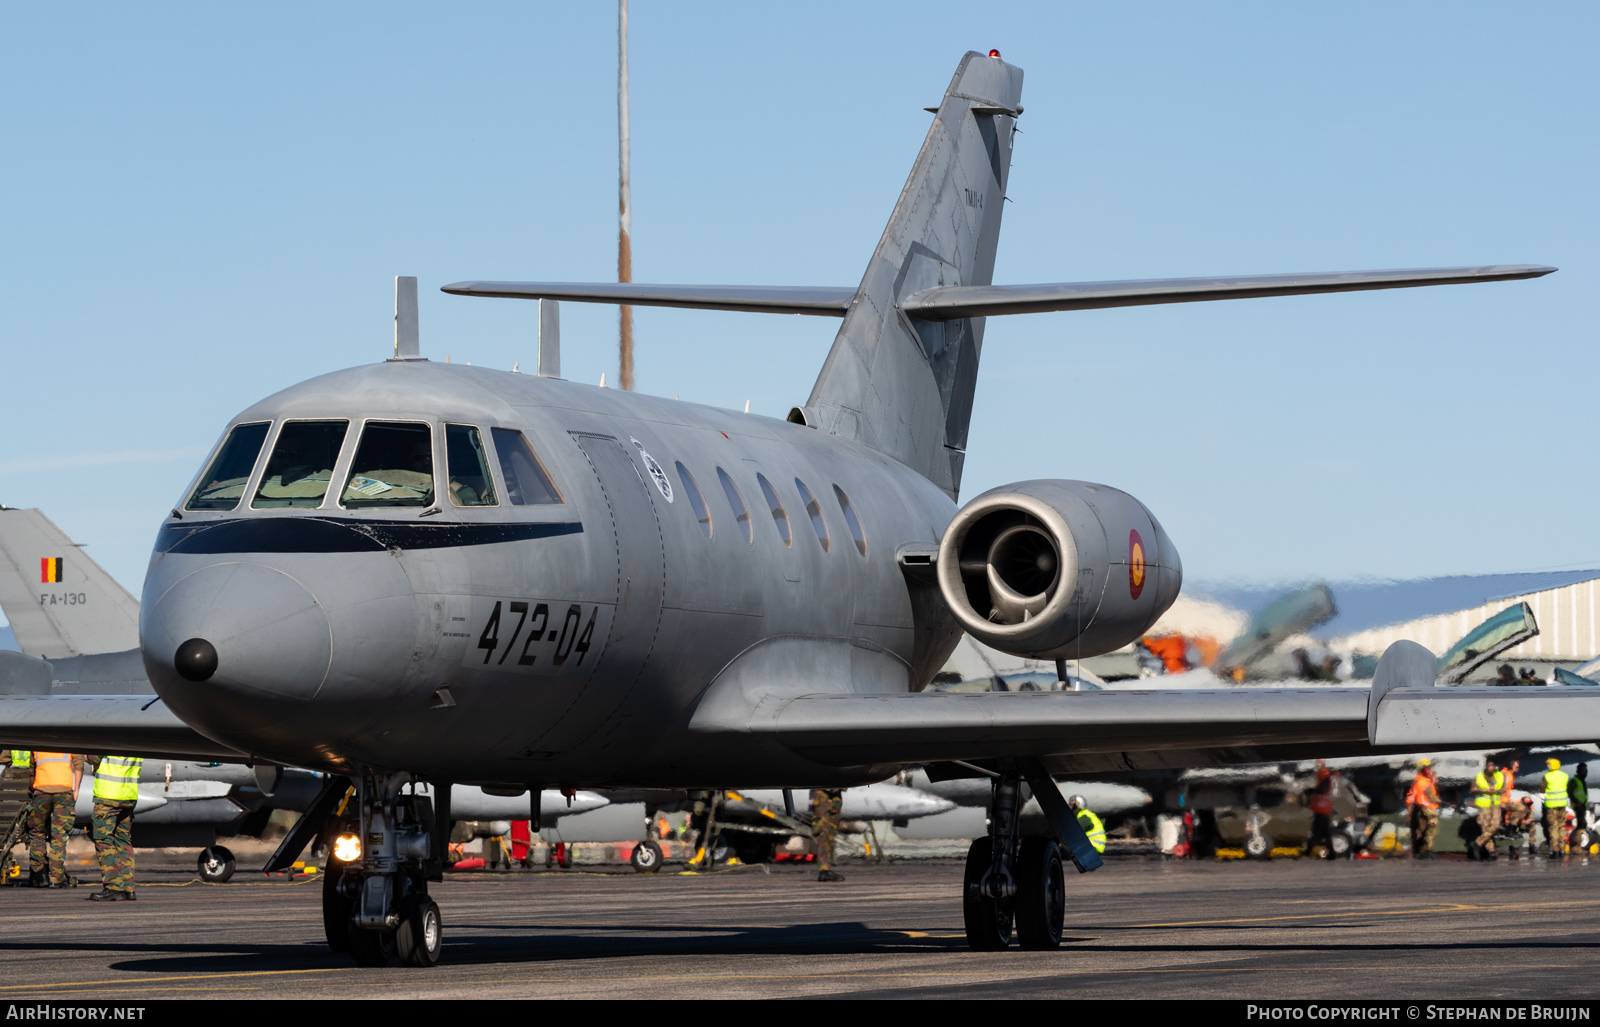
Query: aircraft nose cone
[
  {"x": 196, "y": 660},
  {"x": 241, "y": 627}
]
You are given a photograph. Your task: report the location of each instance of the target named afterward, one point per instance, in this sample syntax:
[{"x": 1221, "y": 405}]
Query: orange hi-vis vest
[
  {"x": 53, "y": 770},
  {"x": 1424, "y": 792},
  {"x": 1322, "y": 799}
]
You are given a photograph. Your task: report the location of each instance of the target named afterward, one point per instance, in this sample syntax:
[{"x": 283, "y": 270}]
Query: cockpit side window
[
  {"x": 527, "y": 484},
  {"x": 470, "y": 483},
  {"x": 222, "y": 486},
  {"x": 393, "y": 466},
  {"x": 301, "y": 465}
]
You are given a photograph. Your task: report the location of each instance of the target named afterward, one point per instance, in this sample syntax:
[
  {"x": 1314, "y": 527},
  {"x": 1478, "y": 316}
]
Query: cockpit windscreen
[
  {"x": 222, "y": 486},
  {"x": 470, "y": 483},
  {"x": 393, "y": 466},
  {"x": 301, "y": 465}
]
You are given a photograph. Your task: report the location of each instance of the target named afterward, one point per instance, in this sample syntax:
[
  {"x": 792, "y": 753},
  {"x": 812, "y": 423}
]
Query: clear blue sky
[{"x": 204, "y": 203}]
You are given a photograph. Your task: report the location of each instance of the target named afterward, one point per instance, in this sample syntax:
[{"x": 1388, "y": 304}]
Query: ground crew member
[
  {"x": 1423, "y": 798},
  {"x": 116, "y": 792},
  {"x": 1486, "y": 789},
  {"x": 1091, "y": 824},
  {"x": 1556, "y": 800},
  {"x": 50, "y": 815},
  {"x": 1320, "y": 802},
  {"x": 825, "y": 806},
  {"x": 22, "y": 762},
  {"x": 1578, "y": 796}
]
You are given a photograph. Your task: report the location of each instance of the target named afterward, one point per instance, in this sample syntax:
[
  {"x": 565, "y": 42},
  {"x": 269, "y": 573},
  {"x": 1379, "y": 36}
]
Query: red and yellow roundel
[{"x": 1135, "y": 564}]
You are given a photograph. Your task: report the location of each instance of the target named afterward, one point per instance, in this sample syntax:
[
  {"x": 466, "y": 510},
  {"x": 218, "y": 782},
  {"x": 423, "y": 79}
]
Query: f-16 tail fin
[
  {"x": 60, "y": 603},
  {"x": 904, "y": 386}
]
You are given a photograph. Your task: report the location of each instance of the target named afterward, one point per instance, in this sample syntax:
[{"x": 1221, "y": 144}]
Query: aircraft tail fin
[
  {"x": 905, "y": 386},
  {"x": 59, "y": 602}
]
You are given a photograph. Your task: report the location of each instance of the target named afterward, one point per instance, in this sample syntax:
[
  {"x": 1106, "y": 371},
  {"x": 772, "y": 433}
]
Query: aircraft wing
[
  {"x": 128, "y": 725},
  {"x": 1402, "y": 710},
  {"x": 956, "y": 301}
]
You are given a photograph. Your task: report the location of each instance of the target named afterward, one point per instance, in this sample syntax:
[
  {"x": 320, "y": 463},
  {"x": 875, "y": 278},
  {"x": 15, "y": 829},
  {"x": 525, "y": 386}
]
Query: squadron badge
[{"x": 656, "y": 473}]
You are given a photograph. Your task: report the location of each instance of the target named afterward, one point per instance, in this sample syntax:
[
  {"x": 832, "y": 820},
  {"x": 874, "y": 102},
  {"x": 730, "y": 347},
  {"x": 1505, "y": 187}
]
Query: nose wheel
[{"x": 385, "y": 850}]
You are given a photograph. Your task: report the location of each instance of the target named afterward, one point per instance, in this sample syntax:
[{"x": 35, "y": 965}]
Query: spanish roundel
[{"x": 1135, "y": 564}]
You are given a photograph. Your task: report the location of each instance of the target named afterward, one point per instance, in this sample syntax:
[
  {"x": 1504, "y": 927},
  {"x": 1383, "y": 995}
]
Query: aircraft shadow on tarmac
[{"x": 480, "y": 944}]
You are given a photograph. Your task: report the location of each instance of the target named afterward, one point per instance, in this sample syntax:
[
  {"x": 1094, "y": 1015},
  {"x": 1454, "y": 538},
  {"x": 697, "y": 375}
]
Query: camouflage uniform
[
  {"x": 1555, "y": 829},
  {"x": 825, "y": 806},
  {"x": 50, "y": 817},
  {"x": 113, "y": 832},
  {"x": 1424, "y": 829}
]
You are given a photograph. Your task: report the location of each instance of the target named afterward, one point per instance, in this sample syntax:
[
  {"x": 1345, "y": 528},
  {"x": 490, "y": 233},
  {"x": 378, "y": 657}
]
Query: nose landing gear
[
  {"x": 1012, "y": 880},
  {"x": 375, "y": 904}
]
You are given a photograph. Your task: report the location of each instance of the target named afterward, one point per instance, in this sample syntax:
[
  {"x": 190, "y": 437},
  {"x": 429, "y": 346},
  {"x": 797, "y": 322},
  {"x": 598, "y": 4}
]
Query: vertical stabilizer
[
  {"x": 905, "y": 386},
  {"x": 59, "y": 602}
]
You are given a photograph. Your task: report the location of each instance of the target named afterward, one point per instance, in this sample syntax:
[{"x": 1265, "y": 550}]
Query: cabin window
[
  {"x": 393, "y": 466},
  {"x": 780, "y": 516},
  {"x": 527, "y": 484},
  {"x": 470, "y": 483},
  {"x": 301, "y": 465},
  {"x": 741, "y": 514},
  {"x": 851, "y": 520},
  {"x": 697, "y": 502},
  {"x": 814, "y": 511},
  {"x": 223, "y": 484}
]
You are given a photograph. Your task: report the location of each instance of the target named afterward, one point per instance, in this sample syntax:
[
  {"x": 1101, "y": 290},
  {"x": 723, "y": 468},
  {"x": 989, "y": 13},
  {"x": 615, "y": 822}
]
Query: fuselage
[{"x": 565, "y": 638}]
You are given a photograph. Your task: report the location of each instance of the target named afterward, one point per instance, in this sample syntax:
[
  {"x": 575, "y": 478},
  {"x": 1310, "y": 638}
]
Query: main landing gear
[
  {"x": 384, "y": 851},
  {"x": 1017, "y": 884}
]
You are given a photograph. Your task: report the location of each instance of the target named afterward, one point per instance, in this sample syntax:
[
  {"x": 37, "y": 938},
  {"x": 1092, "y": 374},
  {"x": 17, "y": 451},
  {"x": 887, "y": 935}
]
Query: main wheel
[
  {"x": 216, "y": 864},
  {"x": 646, "y": 858},
  {"x": 371, "y": 948},
  {"x": 1041, "y": 895},
  {"x": 420, "y": 937},
  {"x": 336, "y": 907},
  {"x": 988, "y": 922}
]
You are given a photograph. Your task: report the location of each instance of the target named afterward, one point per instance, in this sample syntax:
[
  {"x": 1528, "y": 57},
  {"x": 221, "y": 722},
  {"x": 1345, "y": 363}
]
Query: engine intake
[{"x": 1057, "y": 569}]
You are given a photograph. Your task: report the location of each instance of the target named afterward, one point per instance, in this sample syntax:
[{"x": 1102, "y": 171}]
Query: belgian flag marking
[{"x": 51, "y": 569}]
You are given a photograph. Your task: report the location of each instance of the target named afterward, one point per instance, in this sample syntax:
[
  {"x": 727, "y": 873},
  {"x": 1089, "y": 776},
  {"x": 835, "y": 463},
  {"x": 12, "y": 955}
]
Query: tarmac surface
[{"x": 1140, "y": 927}]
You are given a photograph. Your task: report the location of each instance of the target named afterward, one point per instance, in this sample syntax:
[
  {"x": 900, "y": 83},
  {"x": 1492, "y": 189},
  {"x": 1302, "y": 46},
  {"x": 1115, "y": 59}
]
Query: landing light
[{"x": 347, "y": 848}]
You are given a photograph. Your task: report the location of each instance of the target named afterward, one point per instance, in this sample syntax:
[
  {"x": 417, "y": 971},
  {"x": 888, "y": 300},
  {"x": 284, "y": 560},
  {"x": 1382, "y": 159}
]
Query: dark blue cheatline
[{"x": 342, "y": 535}]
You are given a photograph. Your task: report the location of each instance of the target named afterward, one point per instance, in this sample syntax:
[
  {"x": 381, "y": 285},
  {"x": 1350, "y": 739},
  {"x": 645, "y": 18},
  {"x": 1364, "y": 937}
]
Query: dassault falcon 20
[{"x": 419, "y": 572}]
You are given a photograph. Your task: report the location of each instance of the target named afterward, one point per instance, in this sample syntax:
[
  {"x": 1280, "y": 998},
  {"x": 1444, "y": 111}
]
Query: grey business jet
[{"x": 421, "y": 572}]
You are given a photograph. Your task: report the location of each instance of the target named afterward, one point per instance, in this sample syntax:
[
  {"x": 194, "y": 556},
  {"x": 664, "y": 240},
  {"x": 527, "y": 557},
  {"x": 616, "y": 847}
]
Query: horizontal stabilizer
[
  {"x": 759, "y": 299},
  {"x": 128, "y": 725},
  {"x": 950, "y": 302}
]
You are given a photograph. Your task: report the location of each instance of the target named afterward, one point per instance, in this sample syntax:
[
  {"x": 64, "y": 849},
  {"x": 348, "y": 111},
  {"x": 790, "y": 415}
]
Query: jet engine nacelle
[{"x": 1057, "y": 569}]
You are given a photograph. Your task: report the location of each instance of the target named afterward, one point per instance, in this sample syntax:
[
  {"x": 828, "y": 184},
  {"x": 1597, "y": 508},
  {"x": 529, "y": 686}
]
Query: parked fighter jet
[{"x": 420, "y": 571}]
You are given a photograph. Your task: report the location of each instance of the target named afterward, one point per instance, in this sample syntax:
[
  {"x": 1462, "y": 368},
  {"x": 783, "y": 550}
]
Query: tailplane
[
  {"x": 60, "y": 603},
  {"x": 904, "y": 386}
]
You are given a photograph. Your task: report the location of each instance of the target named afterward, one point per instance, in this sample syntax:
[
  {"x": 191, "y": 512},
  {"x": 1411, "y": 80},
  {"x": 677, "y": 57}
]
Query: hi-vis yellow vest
[
  {"x": 1555, "y": 789},
  {"x": 1489, "y": 791},
  {"x": 117, "y": 778},
  {"x": 22, "y": 759},
  {"x": 1094, "y": 828}
]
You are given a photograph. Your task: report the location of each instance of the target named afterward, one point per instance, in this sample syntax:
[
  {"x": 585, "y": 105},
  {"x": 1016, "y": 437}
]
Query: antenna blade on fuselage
[
  {"x": 948, "y": 303},
  {"x": 760, "y": 299}
]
